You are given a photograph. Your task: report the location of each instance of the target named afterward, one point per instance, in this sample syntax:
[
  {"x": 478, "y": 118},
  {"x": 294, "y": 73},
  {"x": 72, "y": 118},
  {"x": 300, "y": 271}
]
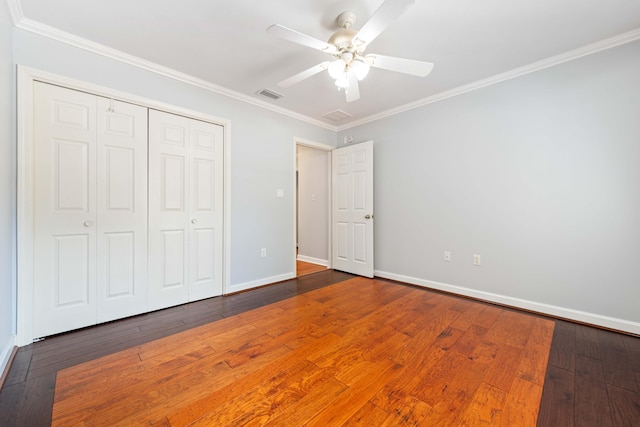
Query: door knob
[
  {"x": 88, "y": 223},
  {"x": 193, "y": 221},
  {"x": 367, "y": 216}
]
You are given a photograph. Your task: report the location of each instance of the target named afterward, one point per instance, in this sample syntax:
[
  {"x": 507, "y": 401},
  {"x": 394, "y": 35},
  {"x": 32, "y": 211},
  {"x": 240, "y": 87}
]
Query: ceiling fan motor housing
[
  {"x": 341, "y": 39},
  {"x": 346, "y": 20}
]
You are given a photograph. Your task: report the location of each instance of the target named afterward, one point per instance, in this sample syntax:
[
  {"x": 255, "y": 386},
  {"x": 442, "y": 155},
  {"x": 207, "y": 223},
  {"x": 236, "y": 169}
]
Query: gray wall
[
  {"x": 261, "y": 150},
  {"x": 7, "y": 183},
  {"x": 539, "y": 175},
  {"x": 313, "y": 204}
]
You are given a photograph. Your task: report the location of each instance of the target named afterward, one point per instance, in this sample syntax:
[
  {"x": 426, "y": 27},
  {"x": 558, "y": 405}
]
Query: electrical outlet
[
  {"x": 263, "y": 252},
  {"x": 447, "y": 256},
  {"x": 476, "y": 259}
]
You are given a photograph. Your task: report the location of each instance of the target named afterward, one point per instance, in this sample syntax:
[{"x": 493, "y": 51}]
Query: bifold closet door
[
  {"x": 122, "y": 209},
  {"x": 185, "y": 209},
  {"x": 90, "y": 239}
]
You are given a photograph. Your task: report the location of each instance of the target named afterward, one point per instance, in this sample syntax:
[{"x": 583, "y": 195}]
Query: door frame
[
  {"x": 26, "y": 77},
  {"x": 329, "y": 149}
]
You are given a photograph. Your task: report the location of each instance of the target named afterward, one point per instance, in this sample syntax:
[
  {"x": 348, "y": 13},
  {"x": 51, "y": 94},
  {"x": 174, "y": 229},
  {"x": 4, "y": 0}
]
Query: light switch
[{"x": 279, "y": 193}]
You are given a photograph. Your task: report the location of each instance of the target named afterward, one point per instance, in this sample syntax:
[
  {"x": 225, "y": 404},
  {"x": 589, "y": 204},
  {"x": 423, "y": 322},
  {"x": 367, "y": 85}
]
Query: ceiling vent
[
  {"x": 336, "y": 116},
  {"x": 269, "y": 94}
]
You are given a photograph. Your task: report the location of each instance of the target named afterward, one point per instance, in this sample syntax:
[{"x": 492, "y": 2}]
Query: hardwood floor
[
  {"x": 317, "y": 359},
  {"x": 592, "y": 376},
  {"x": 304, "y": 268}
]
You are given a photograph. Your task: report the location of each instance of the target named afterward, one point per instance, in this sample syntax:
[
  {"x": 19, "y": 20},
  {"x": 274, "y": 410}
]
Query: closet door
[
  {"x": 185, "y": 209},
  {"x": 90, "y": 217},
  {"x": 64, "y": 210},
  {"x": 122, "y": 209}
]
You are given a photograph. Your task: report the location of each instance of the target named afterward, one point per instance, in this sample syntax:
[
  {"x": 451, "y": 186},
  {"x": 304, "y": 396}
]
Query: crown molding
[
  {"x": 99, "y": 49},
  {"x": 590, "y": 49},
  {"x": 15, "y": 9}
]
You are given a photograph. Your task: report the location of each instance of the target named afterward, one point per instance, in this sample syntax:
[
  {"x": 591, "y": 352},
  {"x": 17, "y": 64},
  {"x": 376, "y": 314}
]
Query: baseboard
[
  {"x": 311, "y": 260},
  {"x": 5, "y": 358},
  {"x": 552, "y": 310},
  {"x": 261, "y": 282}
]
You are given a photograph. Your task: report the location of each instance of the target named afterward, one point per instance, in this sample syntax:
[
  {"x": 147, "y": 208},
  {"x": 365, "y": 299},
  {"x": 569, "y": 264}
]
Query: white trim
[
  {"x": 26, "y": 78},
  {"x": 609, "y": 43},
  {"x": 562, "y": 312},
  {"x": 312, "y": 260},
  {"x": 15, "y": 8},
  {"x": 99, "y": 49},
  {"x": 329, "y": 149},
  {"x": 312, "y": 144},
  {"x": 261, "y": 282},
  {"x": 6, "y": 354}
]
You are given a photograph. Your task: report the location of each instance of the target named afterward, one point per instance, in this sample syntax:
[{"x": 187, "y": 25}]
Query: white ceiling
[{"x": 225, "y": 43}]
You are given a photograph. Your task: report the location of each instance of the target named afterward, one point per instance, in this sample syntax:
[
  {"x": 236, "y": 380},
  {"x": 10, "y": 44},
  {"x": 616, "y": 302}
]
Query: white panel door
[
  {"x": 185, "y": 209},
  {"x": 121, "y": 209},
  {"x": 352, "y": 189},
  {"x": 205, "y": 210},
  {"x": 64, "y": 210}
]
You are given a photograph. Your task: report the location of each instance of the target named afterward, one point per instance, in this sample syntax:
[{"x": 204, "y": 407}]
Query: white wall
[
  {"x": 7, "y": 182},
  {"x": 313, "y": 205},
  {"x": 540, "y": 175},
  {"x": 261, "y": 155}
]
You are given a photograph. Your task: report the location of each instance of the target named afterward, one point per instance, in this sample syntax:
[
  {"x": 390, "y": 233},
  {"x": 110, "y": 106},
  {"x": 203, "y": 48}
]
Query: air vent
[
  {"x": 336, "y": 116},
  {"x": 269, "y": 94}
]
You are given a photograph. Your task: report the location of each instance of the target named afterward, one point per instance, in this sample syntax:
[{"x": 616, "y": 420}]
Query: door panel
[
  {"x": 173, "y": 259},
  {"x": 120, "y": 262},
  {"x": 120, "y": 179},
  {"x": 168, "y": 220},
  {"x": 122, "y": 209},
  {"x": 205, "y": 272},
  {"x": 71, "y": 271},
  {"x": 353, "y": 209},
  {"x": 71, "y": 175},
  {"x": 64, "y": 210}
]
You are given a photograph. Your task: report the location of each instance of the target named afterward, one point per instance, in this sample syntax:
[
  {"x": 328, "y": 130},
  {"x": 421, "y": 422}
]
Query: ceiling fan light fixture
[
  {"x": 360, "y": 69},
  {"x": 343, "y": 81},
  {"x": 337, "y": 69}
]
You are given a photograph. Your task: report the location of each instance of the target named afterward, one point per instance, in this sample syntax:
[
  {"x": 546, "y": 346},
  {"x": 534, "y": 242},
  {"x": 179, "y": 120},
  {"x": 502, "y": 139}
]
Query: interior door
[
  {"x": 64, "y": 210},
  {"x": 185, "y": 209},
  {"x": 352, "y": 221}
]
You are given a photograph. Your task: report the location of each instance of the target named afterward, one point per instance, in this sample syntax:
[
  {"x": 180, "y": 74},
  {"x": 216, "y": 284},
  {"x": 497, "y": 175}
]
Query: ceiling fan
[{"x": 347, "y": 46}]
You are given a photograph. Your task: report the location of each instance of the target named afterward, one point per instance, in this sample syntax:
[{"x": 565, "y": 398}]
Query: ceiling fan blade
[
  {"x": 304, "y": 74},
  {"x": 300, "y": 38},
  {"x": 353, "y": 91},
  {"x": 401, "y": 65},
  {"x": 384, "y": 16}
]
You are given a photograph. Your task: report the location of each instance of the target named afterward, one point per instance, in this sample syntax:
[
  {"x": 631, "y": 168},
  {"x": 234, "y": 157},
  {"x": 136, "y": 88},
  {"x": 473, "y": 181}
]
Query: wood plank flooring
[
  {"x": 593, "y": 378},
  {"x": 590, "y": 378},
  {"x": 304, "y": 268},
  {"x": 317, "y": 359}
]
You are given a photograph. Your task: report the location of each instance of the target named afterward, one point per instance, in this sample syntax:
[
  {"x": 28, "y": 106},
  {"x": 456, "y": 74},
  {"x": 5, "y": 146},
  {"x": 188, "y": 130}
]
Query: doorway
[{"x": 312, "y": 242}]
